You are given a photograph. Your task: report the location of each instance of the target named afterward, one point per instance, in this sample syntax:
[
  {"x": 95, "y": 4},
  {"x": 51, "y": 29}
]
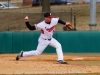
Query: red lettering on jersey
[
  {"x": 50, "y": 29},
  {"x": 42, "y": 31}
]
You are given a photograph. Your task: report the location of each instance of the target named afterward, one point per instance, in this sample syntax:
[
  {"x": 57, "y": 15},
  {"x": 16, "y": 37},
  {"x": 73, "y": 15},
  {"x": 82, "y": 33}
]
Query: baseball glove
[{"x": 69, "y": 27}]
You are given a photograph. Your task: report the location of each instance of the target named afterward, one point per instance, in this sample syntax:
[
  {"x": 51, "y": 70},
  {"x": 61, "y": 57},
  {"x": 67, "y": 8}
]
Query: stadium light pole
[{"x": 92, "y": 15}]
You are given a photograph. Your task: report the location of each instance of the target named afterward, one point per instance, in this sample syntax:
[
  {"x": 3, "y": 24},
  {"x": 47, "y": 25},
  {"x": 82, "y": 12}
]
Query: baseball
[{"x": 26, "y": 17}]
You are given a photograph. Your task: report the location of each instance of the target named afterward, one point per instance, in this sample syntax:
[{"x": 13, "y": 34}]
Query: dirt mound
[{"x": 45, "y": 64}]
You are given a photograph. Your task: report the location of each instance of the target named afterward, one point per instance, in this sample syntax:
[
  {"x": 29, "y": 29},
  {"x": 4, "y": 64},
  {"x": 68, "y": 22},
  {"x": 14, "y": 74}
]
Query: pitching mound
[{"x": 46, "y": 64}]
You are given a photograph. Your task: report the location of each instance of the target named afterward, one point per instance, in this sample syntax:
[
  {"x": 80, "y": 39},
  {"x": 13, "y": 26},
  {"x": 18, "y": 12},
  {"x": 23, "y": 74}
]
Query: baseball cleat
[
  {"x": 19, "y": 55},
  {"x": 61, "y": 62}
]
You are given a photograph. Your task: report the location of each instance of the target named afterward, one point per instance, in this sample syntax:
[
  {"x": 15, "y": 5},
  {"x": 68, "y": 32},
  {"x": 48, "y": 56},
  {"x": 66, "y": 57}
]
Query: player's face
[{"x": 47, "y": 19}]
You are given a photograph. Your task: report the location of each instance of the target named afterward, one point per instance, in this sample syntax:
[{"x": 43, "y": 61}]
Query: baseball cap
[{"x": 48, "y": 14}]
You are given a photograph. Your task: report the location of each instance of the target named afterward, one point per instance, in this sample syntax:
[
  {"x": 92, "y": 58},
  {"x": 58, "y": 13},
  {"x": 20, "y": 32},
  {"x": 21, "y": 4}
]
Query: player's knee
[
  {"x": 58, "y": 46},
  {"x": 37, "y": 53}
]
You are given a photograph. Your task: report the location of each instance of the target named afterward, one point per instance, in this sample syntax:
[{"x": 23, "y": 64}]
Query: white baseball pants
[{"x": 42, "y": 45}]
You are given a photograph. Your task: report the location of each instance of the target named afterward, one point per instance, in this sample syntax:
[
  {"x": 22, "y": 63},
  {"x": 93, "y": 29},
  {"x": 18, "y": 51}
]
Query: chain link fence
[{"x": 14, "y": 21}]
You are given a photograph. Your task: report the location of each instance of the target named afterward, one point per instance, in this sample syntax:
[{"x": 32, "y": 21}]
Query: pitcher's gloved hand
[{"x": 69, "y": 26}]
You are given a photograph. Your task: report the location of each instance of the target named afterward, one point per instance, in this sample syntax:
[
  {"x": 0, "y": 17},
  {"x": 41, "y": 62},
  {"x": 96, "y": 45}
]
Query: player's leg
[
  {"x": 54, "y": 43},
  {"x": 40, "y": 48}
]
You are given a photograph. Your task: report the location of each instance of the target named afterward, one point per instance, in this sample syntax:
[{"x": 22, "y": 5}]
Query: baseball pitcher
[{"x": 47, "y": 27}]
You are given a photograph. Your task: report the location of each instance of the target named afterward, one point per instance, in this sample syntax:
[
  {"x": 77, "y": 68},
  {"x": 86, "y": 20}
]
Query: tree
[{"x": 46, "y": 6}]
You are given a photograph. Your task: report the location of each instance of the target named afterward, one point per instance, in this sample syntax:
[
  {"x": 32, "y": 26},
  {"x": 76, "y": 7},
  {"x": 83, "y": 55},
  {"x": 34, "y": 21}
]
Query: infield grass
[{"x": 94, "y": 63}]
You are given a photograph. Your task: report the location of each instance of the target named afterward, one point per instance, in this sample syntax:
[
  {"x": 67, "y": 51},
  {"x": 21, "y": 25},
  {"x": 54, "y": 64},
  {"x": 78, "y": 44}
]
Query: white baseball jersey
[{"x": 47, "y": 29}]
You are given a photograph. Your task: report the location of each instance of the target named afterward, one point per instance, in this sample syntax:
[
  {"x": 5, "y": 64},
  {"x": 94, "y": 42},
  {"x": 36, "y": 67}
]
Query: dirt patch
[{"x": 45, "y": 64}]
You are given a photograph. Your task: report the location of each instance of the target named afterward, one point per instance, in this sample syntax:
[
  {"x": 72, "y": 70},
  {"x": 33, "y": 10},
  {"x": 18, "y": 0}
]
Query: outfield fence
[
  {"x": 14, "y": 21},
  {"x": 72, "y": 42}
]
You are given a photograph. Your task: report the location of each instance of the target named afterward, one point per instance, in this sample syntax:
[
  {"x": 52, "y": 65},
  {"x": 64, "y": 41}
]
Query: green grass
[
  {"x": 84, "y": 54},
  {"x": 93, "y": 63},
  {"x": 79, "y": 62}
]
